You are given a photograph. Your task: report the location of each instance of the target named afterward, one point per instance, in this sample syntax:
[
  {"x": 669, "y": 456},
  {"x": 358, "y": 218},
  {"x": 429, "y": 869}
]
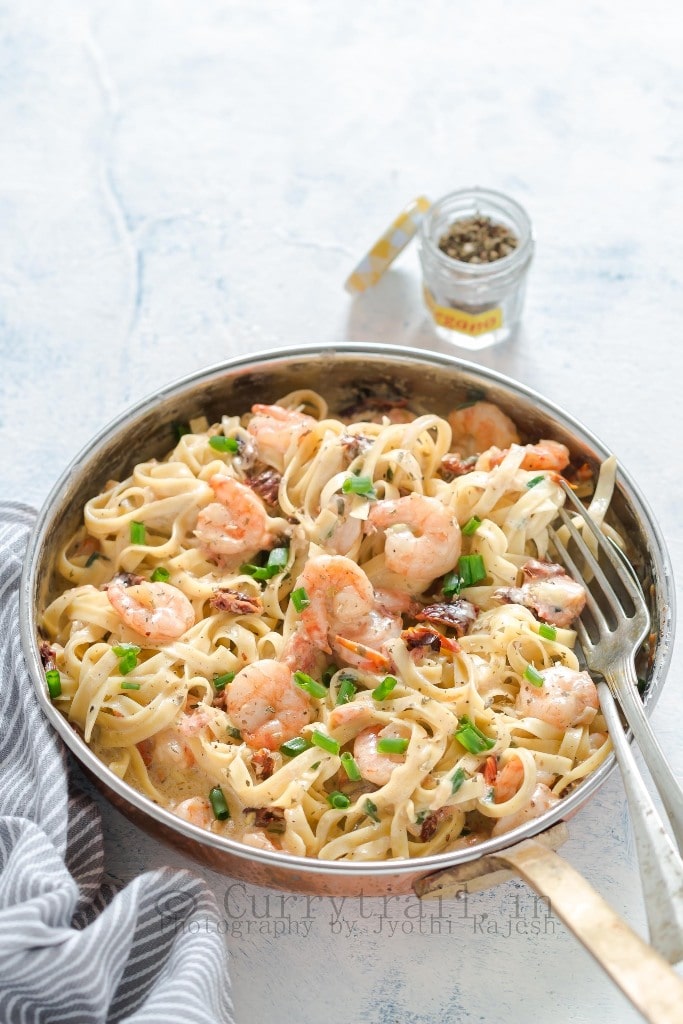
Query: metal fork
[{"x": 611, "y": 629}]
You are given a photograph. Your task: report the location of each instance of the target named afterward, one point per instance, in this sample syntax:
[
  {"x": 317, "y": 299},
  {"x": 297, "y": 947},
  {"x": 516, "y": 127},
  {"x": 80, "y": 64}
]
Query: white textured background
[{"x": 181, "y": 182}]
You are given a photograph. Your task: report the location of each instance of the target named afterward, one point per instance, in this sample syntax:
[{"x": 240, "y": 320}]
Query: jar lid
[{"x": 387, "y": 247}]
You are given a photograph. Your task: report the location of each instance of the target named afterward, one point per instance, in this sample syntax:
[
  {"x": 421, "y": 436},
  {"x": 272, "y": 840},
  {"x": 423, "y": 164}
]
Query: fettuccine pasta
[{"x": 342, "y": 639}]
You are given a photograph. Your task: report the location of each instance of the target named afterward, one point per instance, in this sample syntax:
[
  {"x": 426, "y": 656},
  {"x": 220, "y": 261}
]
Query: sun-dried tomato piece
[
  {"x": 458, "y": 615},
  {"x": 266, "y": 484},
  {"x": 264, "y": 763},
  {"x": 453, "y": 465},
  {"x": 432, "y": 822},
  {"x": 236, "y": 602},
  {"x": 421, "y": 638},
  {"x": 272, "y": 819}
]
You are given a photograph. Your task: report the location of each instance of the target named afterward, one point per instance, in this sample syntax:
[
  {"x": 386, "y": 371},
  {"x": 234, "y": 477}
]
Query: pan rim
[{"x": 58, "y": 495}]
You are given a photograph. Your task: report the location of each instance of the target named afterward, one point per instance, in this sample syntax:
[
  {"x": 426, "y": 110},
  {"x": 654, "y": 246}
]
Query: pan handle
[{"x": 643, "y": 975}]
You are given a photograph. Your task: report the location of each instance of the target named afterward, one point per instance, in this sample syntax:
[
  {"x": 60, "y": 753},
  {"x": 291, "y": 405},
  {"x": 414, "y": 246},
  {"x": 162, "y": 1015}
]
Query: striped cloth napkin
[{"x": 71, "y": 947}]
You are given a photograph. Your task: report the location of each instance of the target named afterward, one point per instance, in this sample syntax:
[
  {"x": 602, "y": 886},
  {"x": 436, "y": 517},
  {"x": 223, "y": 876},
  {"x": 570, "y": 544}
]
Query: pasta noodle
[{"x": 344, "y": 640}]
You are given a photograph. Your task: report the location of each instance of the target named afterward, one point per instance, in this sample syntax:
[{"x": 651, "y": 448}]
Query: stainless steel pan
[{"x": 343, "y": 373}]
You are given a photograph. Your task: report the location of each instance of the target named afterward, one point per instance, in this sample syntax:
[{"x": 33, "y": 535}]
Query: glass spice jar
[{"x": 475, "y": 304}]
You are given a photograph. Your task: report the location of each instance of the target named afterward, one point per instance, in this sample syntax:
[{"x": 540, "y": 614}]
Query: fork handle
[
  {"x": 642, "y": 975},
  {"x": 668, "y": 787},
  {"x": 661, "y": 868}
]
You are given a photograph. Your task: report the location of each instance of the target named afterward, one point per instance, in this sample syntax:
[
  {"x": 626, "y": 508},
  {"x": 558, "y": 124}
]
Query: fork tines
[{"x": 612, "y": 597}]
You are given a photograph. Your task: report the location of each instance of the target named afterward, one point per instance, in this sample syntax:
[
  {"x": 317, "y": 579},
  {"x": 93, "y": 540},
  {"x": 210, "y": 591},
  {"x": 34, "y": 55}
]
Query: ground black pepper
[{"x": 477, "y": 239}]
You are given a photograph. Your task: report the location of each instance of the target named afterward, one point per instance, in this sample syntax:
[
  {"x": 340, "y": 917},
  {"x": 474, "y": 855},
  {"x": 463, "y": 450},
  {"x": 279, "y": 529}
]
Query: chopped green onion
[
  {"x": 536, "y": 480},
  {"x": 218, "y": 804},
  {"x": 249, "y": 569},
  {"x": 471, "y": 737},
  {"x": 392, "y": 745},
  {"x": 127, "y": 663},
  {"x": 128, "y": 657},
  {"x": 312, "y": 687},
  {"x": 180, "y": 429},
  {"x": 296, "y": 746},
  {"x": 325, "y": 742},
  {"x": 224, "y": 444},
  {"x": 160, "y": 575},
  {"x": 328, "y": 673},
  {"x": 548, "y": 632},
  {"x": 533, "y": 676},
  {"x": 338, "y": 800},
  {"x": 474, "y": 395},
  {"x": 278, "y": 557},
  {"x": 457, "y": 779},
  {"x": 471, "y": 526},
  {"x": 359, "y": 485},
  {"x": 124, "y": 648},
  {"x": 54, "y": 682},
  {"x": 472, "y": 570},
  {"x": 92, "y": 559},
  {"x": 371, "y": 810},
  {"x": 346, "y": 691},
  {"x": 137, "y": 533},
  {"x": 451, "y": 584},
  {"x": 127, "y": 685},
  {"x": 382, "y": 691},
  {"x": 277, "y": 561},
  {"x": 300, "y": 599},
  {"x": 220, "y": 682},
  {"x": 233, "y": 732},
  {"x": 350, "y": 767},
  {"x": 261, "y": 572}
]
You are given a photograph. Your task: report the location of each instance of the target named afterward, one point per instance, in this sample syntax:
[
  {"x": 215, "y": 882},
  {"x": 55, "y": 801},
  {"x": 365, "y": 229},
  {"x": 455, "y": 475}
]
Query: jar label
[{"x": 460, "y": 320}]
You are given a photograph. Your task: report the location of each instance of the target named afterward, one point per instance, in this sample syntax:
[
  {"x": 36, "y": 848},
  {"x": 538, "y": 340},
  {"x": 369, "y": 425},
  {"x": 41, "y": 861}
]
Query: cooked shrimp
[
  {"x": 565, "y": 699},
  {"x": 541, "y": 801},
  {"x": 549, "y": 455},
  {"x": 340, "y": 595},
  {"x": 422, "y": 538},
  {"x": 345, "y": 530},
  {"x": 394, "y": 603},
  {"x": 156, "y": 611},
  {"x": 596, "y": 740},
  {"x": 235, "y": 527},
  {"x": 546, "y": 455},
  {"x": 274, "y": 429},
  {"x": 365, "y": 643},
  {"x": 549, "y": 593},
  {"x": 193, "y": 722},
  {"x": 351, "y": 718},
  {"x": 480, "y": 426},
  {"x": 266, "y": 705},
  {"x": 377, "y": 628},
  {"x": 257, "y": 838},
  {"x": 166, "y": 751},
  {"x": 392, "y": 413},
  {"x": 302, "y": 655},
  {"x": 196, "y": 810},
  {"x": 376, "y": 767},
  {"x": 360, "y": 655},
  {"x": 508, "y": 780}
]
